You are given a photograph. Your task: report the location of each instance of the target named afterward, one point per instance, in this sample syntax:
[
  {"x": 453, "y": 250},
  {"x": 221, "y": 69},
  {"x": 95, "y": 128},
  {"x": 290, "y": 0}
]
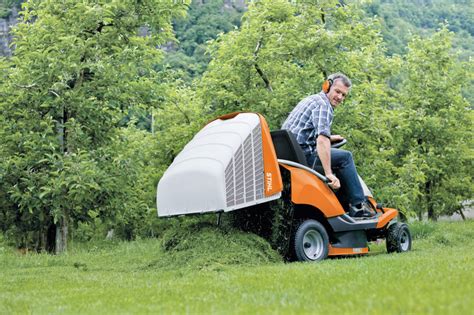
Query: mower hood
[{"x": 229, "y": 164}]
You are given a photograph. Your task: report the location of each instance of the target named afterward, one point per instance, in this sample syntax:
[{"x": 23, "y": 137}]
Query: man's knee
[
  {"x": 342, "y": 157},
  {"x": 349, "y": 157},
  {"x": 342, "y": 154}
]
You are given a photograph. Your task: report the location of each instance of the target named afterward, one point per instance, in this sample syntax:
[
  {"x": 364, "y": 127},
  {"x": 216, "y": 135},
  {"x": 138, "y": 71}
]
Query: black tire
[
  {"x": 398, "y": 238},
  {"x": 311, "y": 242}
]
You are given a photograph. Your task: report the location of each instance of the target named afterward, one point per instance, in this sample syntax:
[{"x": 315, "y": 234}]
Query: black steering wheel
[{"x": 338, "y": 144}]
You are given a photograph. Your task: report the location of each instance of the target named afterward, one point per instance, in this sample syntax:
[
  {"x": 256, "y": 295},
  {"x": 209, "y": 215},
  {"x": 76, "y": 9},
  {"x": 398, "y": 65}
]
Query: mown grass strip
[{"x": 142, "y": 277}]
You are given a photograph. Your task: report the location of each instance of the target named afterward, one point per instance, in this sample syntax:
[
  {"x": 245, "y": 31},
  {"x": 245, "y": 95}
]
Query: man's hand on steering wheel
[
  {"x": 337, "y": 141},
  {"x": 336, "y": 138},
  {"x": 333, "y": 181}
]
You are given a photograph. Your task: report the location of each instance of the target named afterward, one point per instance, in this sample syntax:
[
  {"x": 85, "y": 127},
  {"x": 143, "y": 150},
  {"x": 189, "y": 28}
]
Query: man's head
[{"x": 339, "y": 87}]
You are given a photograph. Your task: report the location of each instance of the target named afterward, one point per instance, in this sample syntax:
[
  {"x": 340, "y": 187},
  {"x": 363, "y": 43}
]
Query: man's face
[{"x": 337, "y": 93}]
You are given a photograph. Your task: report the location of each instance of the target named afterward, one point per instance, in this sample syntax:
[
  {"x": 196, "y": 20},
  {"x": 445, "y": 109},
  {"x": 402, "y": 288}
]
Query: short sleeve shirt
[{"x": 310, "y": 118}]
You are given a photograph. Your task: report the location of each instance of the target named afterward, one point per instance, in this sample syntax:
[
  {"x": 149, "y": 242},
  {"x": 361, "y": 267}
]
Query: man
[{"x": 310, "y": 121}]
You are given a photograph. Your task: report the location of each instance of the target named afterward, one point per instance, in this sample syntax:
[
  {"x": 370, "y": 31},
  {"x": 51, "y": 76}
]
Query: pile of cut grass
[{"x": 207, "y": 246}]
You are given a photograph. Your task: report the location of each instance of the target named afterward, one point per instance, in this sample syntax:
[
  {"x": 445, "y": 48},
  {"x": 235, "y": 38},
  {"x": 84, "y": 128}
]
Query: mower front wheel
[
  {"x": 398, "y": 238},
  {"x": 311, "y": 242}
]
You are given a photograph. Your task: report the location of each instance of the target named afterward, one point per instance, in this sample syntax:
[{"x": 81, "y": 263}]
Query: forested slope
[
  {"x": 400, "y": 21},
  {"x": 403, "y": 19}
]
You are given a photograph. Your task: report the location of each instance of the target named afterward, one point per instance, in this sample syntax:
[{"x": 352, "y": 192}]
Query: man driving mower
[{"x": 310, "y": 122}]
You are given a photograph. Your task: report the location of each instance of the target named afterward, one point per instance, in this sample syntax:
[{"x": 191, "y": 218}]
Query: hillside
[{"x": 400, "y": 20}]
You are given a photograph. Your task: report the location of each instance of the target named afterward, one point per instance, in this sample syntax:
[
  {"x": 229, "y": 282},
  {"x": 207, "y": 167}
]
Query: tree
[
  {"x": 76, "y": 67},
  {"x": 284, "y": 50},
  {"x": 435, "y": 134}
]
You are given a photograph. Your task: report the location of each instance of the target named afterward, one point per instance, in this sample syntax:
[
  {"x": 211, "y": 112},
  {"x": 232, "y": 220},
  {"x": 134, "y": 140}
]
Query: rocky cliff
[{"x": 5, "y": 36}]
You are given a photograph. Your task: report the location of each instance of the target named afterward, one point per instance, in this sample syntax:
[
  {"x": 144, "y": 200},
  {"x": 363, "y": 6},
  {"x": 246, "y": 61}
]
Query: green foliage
[
  {"x": 128, "y": 190},
  {"x": 177, "y": 120},
  {"x": 411, "y": 150},
  {"x": 136, "y": 159},
  {"x": 4, "y": 12},
  {"x": 295, "y": 47}
]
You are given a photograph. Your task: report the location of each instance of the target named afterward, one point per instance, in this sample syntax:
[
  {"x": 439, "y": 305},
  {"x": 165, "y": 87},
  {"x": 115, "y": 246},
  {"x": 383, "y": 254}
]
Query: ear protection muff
[{"x": 327, "y": 85}]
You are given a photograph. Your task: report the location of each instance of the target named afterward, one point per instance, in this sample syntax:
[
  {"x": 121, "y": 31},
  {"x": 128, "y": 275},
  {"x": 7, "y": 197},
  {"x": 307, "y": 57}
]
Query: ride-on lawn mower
[{"x": 235, "y": 163}]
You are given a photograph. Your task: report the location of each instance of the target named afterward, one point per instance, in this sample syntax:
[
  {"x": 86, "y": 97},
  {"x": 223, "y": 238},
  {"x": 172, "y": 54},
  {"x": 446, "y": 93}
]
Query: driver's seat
[{"x": 287, "y": 148}]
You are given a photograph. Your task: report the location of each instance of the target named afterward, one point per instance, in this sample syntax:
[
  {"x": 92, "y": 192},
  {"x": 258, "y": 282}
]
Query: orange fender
[{"x": 308, "y": 189}]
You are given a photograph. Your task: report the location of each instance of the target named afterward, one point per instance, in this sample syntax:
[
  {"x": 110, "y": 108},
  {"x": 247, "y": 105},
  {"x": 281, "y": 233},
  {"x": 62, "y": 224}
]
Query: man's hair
[{"x": 340, "y": 76}]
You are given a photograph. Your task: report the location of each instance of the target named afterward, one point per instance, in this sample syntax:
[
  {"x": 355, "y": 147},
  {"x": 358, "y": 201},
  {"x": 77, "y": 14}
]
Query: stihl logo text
[{"x": 269, "y": 181}]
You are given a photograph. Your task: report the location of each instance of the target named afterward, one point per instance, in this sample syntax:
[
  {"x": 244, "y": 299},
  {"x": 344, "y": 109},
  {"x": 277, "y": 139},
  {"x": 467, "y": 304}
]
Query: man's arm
[{"x": 324, "y": 152}]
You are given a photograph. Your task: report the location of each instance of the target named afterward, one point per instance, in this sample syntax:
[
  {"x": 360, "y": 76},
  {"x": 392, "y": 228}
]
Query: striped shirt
[{"x": 310, "y": 118}]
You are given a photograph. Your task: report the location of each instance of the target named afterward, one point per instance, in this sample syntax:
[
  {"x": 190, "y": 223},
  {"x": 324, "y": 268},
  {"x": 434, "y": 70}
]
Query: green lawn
[{"x": 237, "y": 273}]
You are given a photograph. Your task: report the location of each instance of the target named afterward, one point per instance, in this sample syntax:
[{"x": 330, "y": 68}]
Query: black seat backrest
[{"x": 286, "y": 146}]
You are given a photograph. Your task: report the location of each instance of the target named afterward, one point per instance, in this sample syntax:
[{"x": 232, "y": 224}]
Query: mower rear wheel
[
  {"x": 398, "y": 238},
  {"x": 311, "y": 242}
]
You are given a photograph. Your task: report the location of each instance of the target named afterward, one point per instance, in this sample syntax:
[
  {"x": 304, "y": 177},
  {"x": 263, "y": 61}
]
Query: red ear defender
[{"x": 327, "y": 85}]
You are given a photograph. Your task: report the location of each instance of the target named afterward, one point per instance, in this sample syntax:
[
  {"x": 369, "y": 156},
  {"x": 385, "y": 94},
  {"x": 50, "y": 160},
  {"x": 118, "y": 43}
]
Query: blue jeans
[{"x": 342, "y": 164}]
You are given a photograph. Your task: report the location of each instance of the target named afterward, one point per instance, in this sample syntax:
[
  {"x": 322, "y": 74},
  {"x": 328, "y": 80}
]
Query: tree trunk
[
  {"x": 257, "y": 67},
  {"x": 420, "y": 210},
  {"x": 61, "y": 235},
  {"x": 51, "y": 238},
  {"x": 431, "y": 213},
  {"x": 41, "y": 239},
  {"x": 152, "y": 122}
]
